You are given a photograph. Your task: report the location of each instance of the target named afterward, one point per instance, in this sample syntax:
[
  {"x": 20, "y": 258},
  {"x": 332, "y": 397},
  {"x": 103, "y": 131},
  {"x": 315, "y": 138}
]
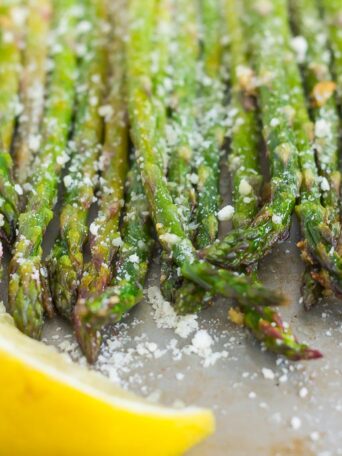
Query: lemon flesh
[{"x": 51, "y": 406}]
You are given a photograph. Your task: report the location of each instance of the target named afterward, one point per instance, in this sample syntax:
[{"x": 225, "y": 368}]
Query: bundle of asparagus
[{"x": 101, "y": 80}]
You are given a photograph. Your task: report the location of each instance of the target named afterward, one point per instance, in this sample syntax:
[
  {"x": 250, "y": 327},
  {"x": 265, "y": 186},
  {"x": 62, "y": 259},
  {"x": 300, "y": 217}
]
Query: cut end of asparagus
[{"x": 25, "y": 297}]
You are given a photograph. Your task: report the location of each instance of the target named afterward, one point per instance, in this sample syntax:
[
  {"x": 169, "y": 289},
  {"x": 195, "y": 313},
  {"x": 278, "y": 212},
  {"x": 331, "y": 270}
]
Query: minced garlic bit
[{"x": 236, "y": 316}]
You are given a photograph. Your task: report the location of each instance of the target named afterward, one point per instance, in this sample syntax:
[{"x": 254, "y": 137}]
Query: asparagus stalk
[
  {"x": 164, "y": 212},
  {"x": 126, "y": 289},
  {"x": 32, "y": 86},
  {"x": 210, "y": 120},
  {"x": 332, "y": 10},
  {"x": 243, "y": 157},
  {"x": 66, "y": 259},
  {"x": 104, "y": 230},
  {"x": 321, "y": 87},
  {"x": 264, "y": 323},
  {"x": 319, "y": 83},
  {"x": 10, "y": 23},
  {"x": 245, "y": 246},
  {"x": 159, "y": 62},
  {"x": 210, "y": 128},
  {"x": 181, "y": 127},
  {"x": 26, "y": 272}
]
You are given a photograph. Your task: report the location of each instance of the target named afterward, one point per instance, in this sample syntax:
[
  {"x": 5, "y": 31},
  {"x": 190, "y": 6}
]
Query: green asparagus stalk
[
  {"x": 32, "y": 86},
  {"x": 245, "y": 246},
  {"x": 332, "y": 10},
  {"x": 66, "y": 259},
  {"x": 321, "y": 87},
  {"x": 264, "y": 323},
  {"x": 26, "y": 272},
  {"x": 319, "y": 83},
  {"x": 210, "y": 120},
  {"x": 126, "y": 288},
  {"x": 104, "y": 230},
  {"x": 181, "y": 127},
  {"x": 243, "y": 157},
  {"x": 267, "y": 326},
  {"x": 143, "y": 121},
  {"x": 159, "y": 62},
  {"x": 10, "y": 23}
]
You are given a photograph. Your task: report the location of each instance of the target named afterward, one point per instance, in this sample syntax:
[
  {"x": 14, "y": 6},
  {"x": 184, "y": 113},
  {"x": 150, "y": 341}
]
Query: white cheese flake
[
  {"x": 245, "y": 188},
  {"x": 268, "y": 373},
  {"x": 18, "y": 189},
  {"x": 300, "y": 46},
  {"x": 296, "y": 422},
  {"x": 226, "y": 213}
]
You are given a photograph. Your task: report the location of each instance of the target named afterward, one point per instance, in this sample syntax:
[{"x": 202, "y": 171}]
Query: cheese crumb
[
  {"x": 106, "y": 111},
  {"x": 117, "y": 242},
  {"x": 276, "y": 219},
  {"x": 296, "y": 422},
  {"x": 94, "y": 229},
  {"x": 169, "y": 238},
  {"x": 67, "y": 181},
  {"x": 322, "y": 128},
  {"x": 325, "y": 184},
  {"x": 226, "y": 213},
  {"x": 300, "y": 46},
  {"x": 268, "y": 373},
  {"x": 18, "y": 189},
  {"x": 244, "y": 188},
  {"x": 303, "y": 392}
]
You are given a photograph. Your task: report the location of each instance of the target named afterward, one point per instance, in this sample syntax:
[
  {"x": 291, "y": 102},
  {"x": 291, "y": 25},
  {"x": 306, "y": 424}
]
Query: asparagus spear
[
  {"x": 159, "y": 62},
  {"x": 126, "y": 286},
  {"x": 32, "y": 86},
  {"x": 210, "y": 119},
  {"x": 319, "y": 83},
  {"x": 243, "y": 157},
  {"x": 26, "y": 273},
  {"x": 11, "y": 14},
  {"x": 332, "y": 10},
  {"x": 104, "y": 230},
  {"x": 66, "y": 259},
  {"x": 245, "y": 246},
  {"x": 320, "y": 86},
  {"x": 164, "y": 212},
  {"x": 264, "y": 323},
  {"x": 126, "y": 289},
  {"x": 181, "y": 127}
]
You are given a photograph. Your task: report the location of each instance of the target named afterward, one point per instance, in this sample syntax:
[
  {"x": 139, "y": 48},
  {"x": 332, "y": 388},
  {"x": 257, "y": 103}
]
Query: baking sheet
[{"x": 296, "y": 410}]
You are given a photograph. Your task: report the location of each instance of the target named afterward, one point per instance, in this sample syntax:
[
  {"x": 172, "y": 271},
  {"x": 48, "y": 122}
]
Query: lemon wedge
[{"x": 51, "y": 406}]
